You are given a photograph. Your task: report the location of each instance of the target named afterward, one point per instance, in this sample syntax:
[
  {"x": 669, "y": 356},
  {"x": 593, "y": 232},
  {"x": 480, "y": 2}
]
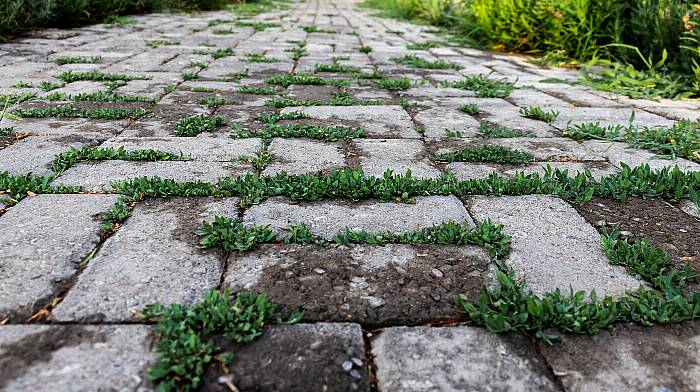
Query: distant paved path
[{"x": 368, "y": 308}]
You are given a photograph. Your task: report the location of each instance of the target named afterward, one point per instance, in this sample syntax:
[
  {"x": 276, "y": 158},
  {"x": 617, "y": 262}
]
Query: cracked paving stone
[
  {"x": 44, "y": 239},
  {"x": 369, "y": 284},
  {"x": 629, "y": 357},
  {"x": 553, "y": 247},
  {"x": 328, "y": 218},
  {"x": 75, "y": 358},
  {"x": 152, "y": 258},
  {"x": 297, "y": 358},
  {"x": 457, "y": 359}
]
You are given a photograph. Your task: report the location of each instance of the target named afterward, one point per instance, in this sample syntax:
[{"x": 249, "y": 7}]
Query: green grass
[
  {"x": 494, "y": 154},
  {"x": 336, "y": 68},
  {"x": 365, "y": 49},
  {"x": 303, "y": 79},
  {"x": 258, "y": 58},
  {"x": 200, "y": 89},
  {"x": 196, "y": 124},
  {"x": 489, "y": 131},
  {"x": 185, "y": 344},
  {"x": 537, "y": 113},
  {"x": 98, "y": 76},
  {"x": 189, "y": 76},
  {"x": 223, "y": 31},
  {"x": 421, "y": 45},
  {"x": 73, "y": 156},
  {"x": 393, "y": 84},
  {"x": 197, "y": 64},
  {"x": 99, "y": 96},
  {"x": 287, "y": 102},
  {"x": 470, "y": 108},
  {"x": 315, "y": 29},
  {"x": 257, "y": 26},
  {"x": 483, "y": 86},
  {"x": 413, "y": 61},
  {"x": 680, "y": 140},
  {"x": 219, "y": 53},
  {"x": 321, "y": 132},
  {"x": 155, "y": 43},
  {"x": 78, "y": 60},
  {"x": 118, "y": 20},
  {"x": 71, "y": 111},
  {"x": 212, "y": 102},
  {"x": 258, "y": 90},
  {"x": 13, "y": 99}
]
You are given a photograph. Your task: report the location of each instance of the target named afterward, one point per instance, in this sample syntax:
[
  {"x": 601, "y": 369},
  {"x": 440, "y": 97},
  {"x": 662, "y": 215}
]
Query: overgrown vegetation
[
  {"x": 537, "y": 113},
  {"x": 72, "y": 111},
  {"x": 185, "y": 334},
  {"x": 494, "y": 154},
  {"x": 70, "y": 158},
  {"x": 651, "y": 46},
  {"x": 680, "y": 140},
  {"x": 196, "y": 124},
  {"x": 413, "y": 61},
  {"x": 483, "y": 86},
  {"x": 322, "y": 132}
]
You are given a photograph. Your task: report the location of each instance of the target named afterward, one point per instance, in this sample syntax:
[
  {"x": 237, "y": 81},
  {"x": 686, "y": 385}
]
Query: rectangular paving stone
[
  {"x": 457, "y": 359},
  {"x": 35, "y": 154},
  {"x": 384, "y": 121},
  {"x": 98, "y": 175},
  {"x": 326, "y": 218},
  {"x": 618, "y": 153},
  {"x": 302, "y": 357},
  {"x": 476, "y": 170},
  {"x": 299, "y": 156},
  {"x": 65, "y": 126},
  {"x": 629, "y": 358},
  {"x": 152, "y": 258},
  {"x": 203, "y": 147},
  {"x": 553, "y": 149},
  {"x": 434, "y": 120},
  {"x": 75, "y": 358},
  {"x": 376, "y": 156},
  {"x": 371, "y": 285},
  {"x": 608, "y": 116},
  {"x": 553, "y": 247},
  {"x": 43, "y": 240}
]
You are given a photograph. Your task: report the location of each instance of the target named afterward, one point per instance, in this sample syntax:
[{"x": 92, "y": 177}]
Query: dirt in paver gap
[
  {"x": 39, "y": 347},
  {"x": 666, "y": 226},
  {"x": 313, "y": 93},
  {"x": 379, "y": 287},
  {"x": 292, "y": 359},
  {"x": 640, "y": 358}
]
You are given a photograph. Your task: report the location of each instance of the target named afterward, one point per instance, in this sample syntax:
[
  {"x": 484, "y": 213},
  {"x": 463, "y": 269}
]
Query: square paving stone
[
  {"x": 152, "y": 258},
  {"x": 629, "y": 358},
  {"x": 330, "y": 217},
  {"x": 376, "y": 156},
  {"x": 203, "y": 147},
  {"x": 98, "y": 176},
  {"x": 608, "y": 116},
  {"x": 43, "y": 240},
  {"x": 457, "y": 359},
  {"x": 553, "y": 247},
  {"x": 297, "y": 358},
  {"x": 372, "y": 285},
  {"x": 75, "y": 358},
  {"x": 383, "y": 121},
  {"x": 299, "y": 156}
]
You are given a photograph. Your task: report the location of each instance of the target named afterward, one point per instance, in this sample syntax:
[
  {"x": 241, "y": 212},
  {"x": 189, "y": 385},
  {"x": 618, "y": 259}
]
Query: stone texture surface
[
  {"x": 457, "y": 359},
  {"x": 83, "y": 339},
  {"x": 43, "y": 240},
  {"x": 553, "y": 246},
  {"x": 328, "y": 218},
  {"x": 75, "y": 358},
  {"x": 144, "y": 263},
  {"x": 372, "y": 285}
]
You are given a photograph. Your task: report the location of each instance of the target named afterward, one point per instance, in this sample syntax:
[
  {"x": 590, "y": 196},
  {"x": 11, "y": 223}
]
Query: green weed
[
  {"x": 489, "y": 131},
  {"x": 72, "y": 111},
  {"x": 495, "y": 154},
  {"x": 413, "y": 61},
  {"x": 470, "y": 108},
  {"x": 98, "y": 76},
  {"x": 537, "y": 113},
  {"x": 199, "y": 123},
  {"x": 483, "y": 86},
  {"x": 78, "y": 60}
]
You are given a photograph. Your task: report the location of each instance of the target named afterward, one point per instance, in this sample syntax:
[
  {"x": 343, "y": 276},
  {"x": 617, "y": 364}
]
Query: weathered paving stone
[
  {"x": 152, "y": 258},
  {"x": 379, "y": 155},
  {"x": 434, "y": 121},
  {"x": 457, "y": 359},
  {"x": 43, "y": 240},
  {"x": 618, "y": 153},
  {"x": 552, "y": 246},
  {"x": 608, "y": 116},
  {"x": 203, "y": 147},
  {"x": 298, "y": 156},
  {"x": 629, "y": 358},
  {"x": 328, "y": 218},
  {"x": 379, "y": 121},
  {"x": 554, "y": 149},
  {"x": 75, "y": 358},
  {"x": 297, "y": 358},
  {"x": 98, "y": 176},
  {"x": 369, "y": 284},
  {"x": 35, "y": 154},
  {"x": 471, "y": 170}
]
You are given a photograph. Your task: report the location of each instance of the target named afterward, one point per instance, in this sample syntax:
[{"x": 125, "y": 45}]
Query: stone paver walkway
[{"x": 377, "y": 317}]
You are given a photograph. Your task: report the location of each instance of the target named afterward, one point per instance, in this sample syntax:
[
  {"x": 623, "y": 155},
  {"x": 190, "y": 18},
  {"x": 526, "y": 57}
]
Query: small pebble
[{"x": 347, "y": 366}]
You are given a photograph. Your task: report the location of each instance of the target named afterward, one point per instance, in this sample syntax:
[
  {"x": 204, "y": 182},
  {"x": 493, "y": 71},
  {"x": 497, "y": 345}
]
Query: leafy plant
[
  {"x": 196, "y": 124},
  {"x": 470, "y": 108},
  {"x": 72, "y": 111},
  {"x": 483, "y": 86},
  {"x": 537, "y": 113},
  {"x": 489, "y": 131},
  {"x": 413, "y": 61},
  {"x": 495, "y": 154}
]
